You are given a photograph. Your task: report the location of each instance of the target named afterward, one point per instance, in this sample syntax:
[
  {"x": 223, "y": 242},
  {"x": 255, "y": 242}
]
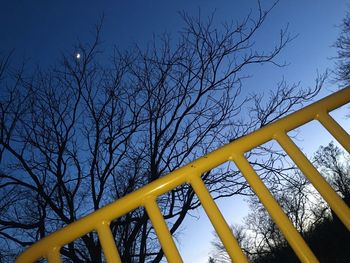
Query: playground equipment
[{"x": 99, "y": 221}]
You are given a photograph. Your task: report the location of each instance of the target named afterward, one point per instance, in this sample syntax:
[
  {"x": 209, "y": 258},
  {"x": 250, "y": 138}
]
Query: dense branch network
[{"x": 83, "y": 134}]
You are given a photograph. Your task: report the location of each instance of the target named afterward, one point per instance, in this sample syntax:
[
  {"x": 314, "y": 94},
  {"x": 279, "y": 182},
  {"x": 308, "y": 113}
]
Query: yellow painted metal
[
  {"x": 53, "y": 255},
  {"x": 295, "y": 240},
  {"x": 187, "y": 174},
  {"x": 331, "y": 197},
  {"x": 108, "y": 243},
  {"x": 162, "y": 231},
  {"x": 335, "y": 129},
  {"x": 218, "y": 221}
]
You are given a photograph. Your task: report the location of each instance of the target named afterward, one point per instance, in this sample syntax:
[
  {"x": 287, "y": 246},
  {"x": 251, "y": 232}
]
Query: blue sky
[{"x": 41, "y": 30}]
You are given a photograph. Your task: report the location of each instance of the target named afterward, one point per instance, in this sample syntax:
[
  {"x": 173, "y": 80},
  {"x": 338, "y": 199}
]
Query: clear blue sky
[{"x": 41, "y": 30}]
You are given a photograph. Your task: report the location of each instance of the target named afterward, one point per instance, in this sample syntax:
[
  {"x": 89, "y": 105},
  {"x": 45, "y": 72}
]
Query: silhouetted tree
[
  {"x": 218, "y": 250},
  {"x": 334, "y": 163},
  {"x": 261, "y": 239},
  {"x": 82, "y": 134},
  {"x": 343, "y": 49},
  {"x": 305, "y": 208}
]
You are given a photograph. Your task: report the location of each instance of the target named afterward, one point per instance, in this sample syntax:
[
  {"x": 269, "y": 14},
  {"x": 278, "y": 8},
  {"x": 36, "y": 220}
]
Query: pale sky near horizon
[{"x": 41, "y": 30}]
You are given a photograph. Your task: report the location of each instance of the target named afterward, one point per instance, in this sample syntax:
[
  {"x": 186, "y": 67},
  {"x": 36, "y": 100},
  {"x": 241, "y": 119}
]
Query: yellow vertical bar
[
  {"x": 218, "y": 221},
  {"x": 280, "y": 218},
  {"x": 107, "y": 242},
  {"x": 326, "y": 191},
  {"x": 162, "y": 231},
  {"x": 54, "y": 256},
  {"x": 335, "y": 129}
]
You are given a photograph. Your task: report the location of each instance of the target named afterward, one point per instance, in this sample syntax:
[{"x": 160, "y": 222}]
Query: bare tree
[
  {"x": 343, "y": 49},
  {"x": 82, "y": 134},
  {"x": 304, "y": 207},
  {"x": 63, "y": 133},
  {"x": 261, "y": 239},
  {"x": 334, "y": 165},
  {"x": 218, "y": 250},
  {"x": 259, "y": 236}
]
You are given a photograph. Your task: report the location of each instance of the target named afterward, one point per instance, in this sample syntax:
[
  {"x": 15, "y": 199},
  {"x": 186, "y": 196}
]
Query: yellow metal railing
[{"x": 49, "y": 247}]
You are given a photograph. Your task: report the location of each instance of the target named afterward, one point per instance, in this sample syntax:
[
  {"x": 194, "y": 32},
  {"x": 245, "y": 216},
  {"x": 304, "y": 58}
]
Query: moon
[{"x": 78, "y": 56}]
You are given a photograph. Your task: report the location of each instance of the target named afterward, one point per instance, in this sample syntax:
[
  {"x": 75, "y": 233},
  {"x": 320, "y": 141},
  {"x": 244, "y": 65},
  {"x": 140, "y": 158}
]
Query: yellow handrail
[{"x": 146, "y": 196}]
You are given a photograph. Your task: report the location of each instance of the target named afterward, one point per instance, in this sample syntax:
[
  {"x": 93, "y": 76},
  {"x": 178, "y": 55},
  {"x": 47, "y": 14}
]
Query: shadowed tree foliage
[{"x": 85, "y": 132}]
